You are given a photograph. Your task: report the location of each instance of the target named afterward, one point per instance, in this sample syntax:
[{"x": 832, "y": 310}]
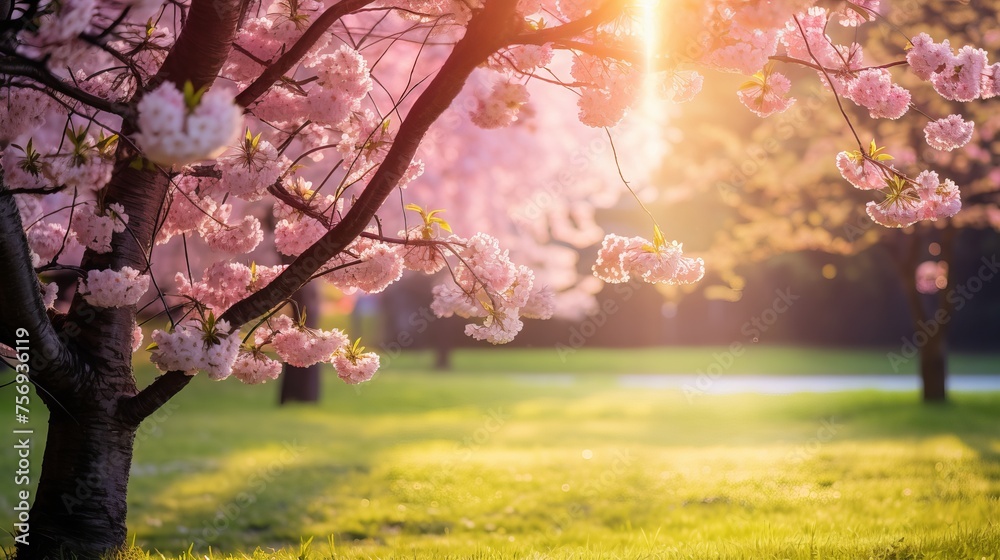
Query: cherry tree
[{"x": 134, "y": 131}]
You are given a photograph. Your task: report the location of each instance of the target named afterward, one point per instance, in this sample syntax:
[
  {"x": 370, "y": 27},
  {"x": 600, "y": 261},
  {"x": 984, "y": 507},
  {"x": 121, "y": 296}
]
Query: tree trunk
[
  {"x": 300, "y": 384},
  {"x": 932, "y": 354},
  {"x": 80, "y": 506},
  {"x": 442, "y": 355},
  {"x": 933, "y": 368}
]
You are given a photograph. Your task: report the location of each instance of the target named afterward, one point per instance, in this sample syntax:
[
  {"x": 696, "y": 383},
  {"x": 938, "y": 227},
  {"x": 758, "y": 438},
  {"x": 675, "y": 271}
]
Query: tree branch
[
  {"x": 27, "y": 68},
  {"x": 137, "y": 408},
  {"x": 489, "y": 30},
  {"x": 606, "y": 12},
  {"x": 21, "y": 305},
  {"x": 293, "y": 55},
  {"x": 203, "y": 45}
]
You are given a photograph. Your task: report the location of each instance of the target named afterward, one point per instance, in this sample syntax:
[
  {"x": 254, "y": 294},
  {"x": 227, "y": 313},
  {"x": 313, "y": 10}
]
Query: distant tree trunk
[
  {"x": 930, "y": 333},
  {"x": 934, "y": 354},
  {"x": 300, "y": 384},
  {"x": 934, "y": 368},
  {"x": 442, "y": 354}
]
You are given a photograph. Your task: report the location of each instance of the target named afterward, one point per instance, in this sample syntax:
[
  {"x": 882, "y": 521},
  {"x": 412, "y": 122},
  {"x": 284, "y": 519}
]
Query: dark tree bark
[
  {"x": 934, "y": 369},
  {"x": 930, "y": 330},
  {"x": 80, "y": 507},
  {"x": 300, "y": 384},
  {"x": 934, "y": 354}
]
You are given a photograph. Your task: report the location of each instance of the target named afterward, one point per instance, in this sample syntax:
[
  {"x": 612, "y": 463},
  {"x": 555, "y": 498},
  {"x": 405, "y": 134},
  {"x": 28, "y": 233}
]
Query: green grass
[
  {"x": 494, "y": 466},
  {"x": 773, "y": 360}
]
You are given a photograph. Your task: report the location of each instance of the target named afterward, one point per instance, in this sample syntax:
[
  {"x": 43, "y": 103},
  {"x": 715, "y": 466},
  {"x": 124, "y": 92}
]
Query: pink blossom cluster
[
  {"x": 906, "y": 203},
  {"x": 193, "y": 206},
  {"x": 425, "y": 258},
  {"x": 46, "y": 239},
  {"x": 766, "y": 94},
  {"x": 24, "y": 110},
  {"x": 621, "y": 258},
  {"x": 949, "y": 133},
  {"x": 298, "y": 345},
  {"x": 611, "y": 89},
  {"x": 190, "y": 207},
  {"x": 522, "y": 59},
  {"x": 207, "y": 345},
  {"x": 744, "y": 50},
  {"x": 342, "y": 83},
  {"x": 489, "y": 286},
  {"x": 962, "y": 76},
  {"x": 369, "y": 265},
  {"x": 499, "y": 108},
  {"x": 94, "y": 229},
  {"x": 50, "y": 292},
  {"x": 860, "y": 171},
  {"x": 354, "y": 367},
  {"x": 137, "y": 337},
  {"x": 254, "y": 368},
  {"x": 174, "y": 132},
  {"x": 874, "y": 90},
  {"x": 86, "y": 169},
  {"x": 235, "y": 238},
  {"x": 57, "y": 39},
  {"x": 296, "y": 230},
  {"x": 365, "y": 139},
  {"x": 114, "y": 288},
  {"x": 250, "y": 168},
  {"x": 224, "y": 283},
  {"x": 18, "y": 173},
  {"x": 683, "y": 85},
  {"x": 296, "y": 233},
  {"x": 806, "y": 39},
  {"x": 853, "y": 17}
]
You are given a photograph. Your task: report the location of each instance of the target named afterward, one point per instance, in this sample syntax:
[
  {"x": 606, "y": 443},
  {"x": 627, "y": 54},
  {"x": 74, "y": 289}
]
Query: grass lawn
[
  {"x": 474, "y": 464},
  {"x": 773, "y": 360}
]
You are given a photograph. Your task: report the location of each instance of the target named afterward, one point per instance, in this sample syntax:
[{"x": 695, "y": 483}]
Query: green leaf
[
  {"x": 192, "y": 98},
  {"x": 658, "y": 240},
  {"x": 442, "y": 224}
]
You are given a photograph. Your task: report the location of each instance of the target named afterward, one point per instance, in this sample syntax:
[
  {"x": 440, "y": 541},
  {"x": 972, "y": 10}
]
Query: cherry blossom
[
  {"x": 114, "y": 288},
  {"x": 94, "y": 230},
  {"x": 766, "y": 93},
  {"x": 184, "y": 127},
  {"x": 254, "y": 368},
  {"x": 865, "y": 171},
  {"x": 962, "y": 75},
  {"x": 656, "y": 262},
  {"x": 499, "y": 108},
  {"x": 354, "y": 365},
  {"x": 302, "y": 347},
  {"x": 208, "y": 345},
  {"x": 949, "y": 133},
  {"x": 874, "y": 90}
]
